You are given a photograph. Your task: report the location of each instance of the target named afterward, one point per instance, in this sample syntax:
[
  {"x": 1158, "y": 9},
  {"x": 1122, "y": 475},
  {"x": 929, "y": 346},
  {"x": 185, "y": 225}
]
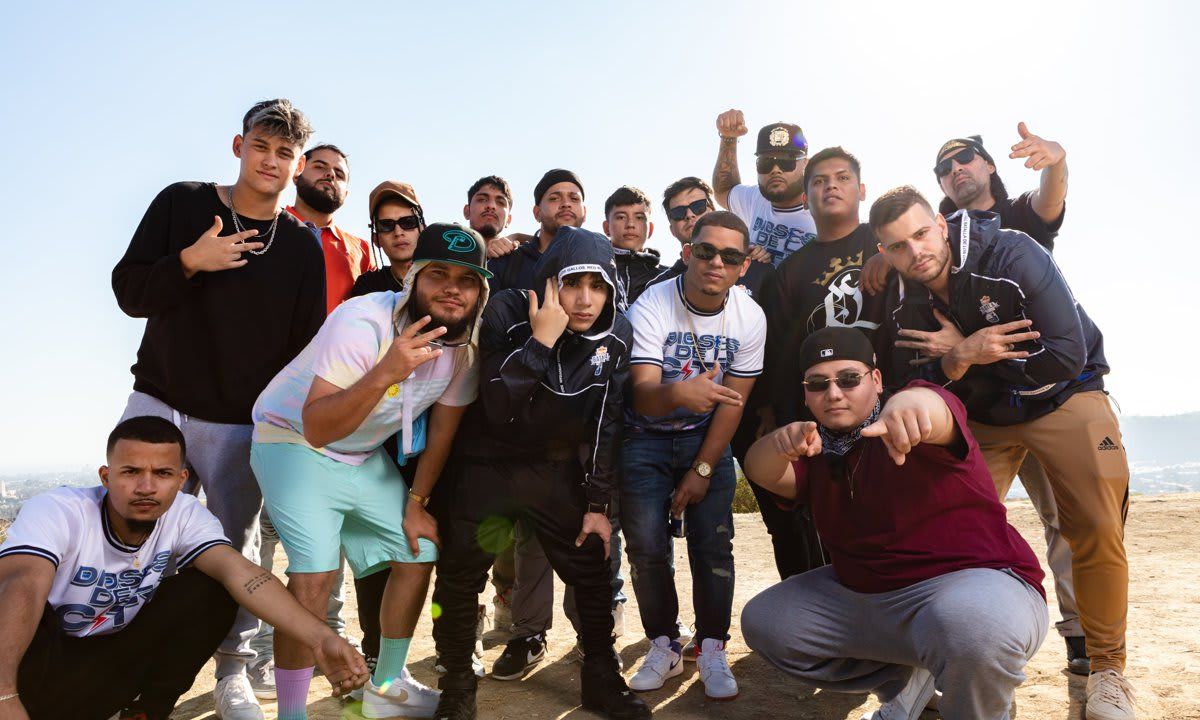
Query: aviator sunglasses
[
  {"x": 962, "y": 157},
  {"x": 729, "y": 256},
  {"x": 786, "y": 164},
  {"x": 408, "y": 222},
  {"x": 679, "y": 212},
  {"x": 845, "y": 381}
]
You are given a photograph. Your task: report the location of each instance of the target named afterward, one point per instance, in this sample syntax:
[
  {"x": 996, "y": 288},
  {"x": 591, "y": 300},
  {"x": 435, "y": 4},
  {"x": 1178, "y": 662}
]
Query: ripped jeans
[{"x": 653, "y": 465}]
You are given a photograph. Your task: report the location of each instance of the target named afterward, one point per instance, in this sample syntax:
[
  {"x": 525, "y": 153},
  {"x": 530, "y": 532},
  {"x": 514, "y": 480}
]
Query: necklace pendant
[{"x": 137, "y": 562}]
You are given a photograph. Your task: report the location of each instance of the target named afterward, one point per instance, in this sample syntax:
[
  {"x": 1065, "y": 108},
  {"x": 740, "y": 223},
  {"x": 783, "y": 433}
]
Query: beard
[
  {"x": 417, "y": 308},
  {"x": 488, "y": 232},
  {"x": 323, "y": 201},
  {"x": 967, "y": 193},
  {"x": 792, "y": 191}
]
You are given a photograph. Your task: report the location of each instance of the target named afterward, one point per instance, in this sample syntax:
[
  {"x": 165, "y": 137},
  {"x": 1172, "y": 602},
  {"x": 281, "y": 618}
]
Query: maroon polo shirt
[{"x": 935, "y": 514}]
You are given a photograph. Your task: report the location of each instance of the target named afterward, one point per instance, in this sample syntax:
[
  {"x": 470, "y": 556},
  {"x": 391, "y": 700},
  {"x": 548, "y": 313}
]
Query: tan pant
[{"x": 1080, "y": 446}]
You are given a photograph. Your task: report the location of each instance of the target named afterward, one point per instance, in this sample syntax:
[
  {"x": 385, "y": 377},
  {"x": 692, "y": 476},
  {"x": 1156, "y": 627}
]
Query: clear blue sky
[{"x": 106, "y": 103}]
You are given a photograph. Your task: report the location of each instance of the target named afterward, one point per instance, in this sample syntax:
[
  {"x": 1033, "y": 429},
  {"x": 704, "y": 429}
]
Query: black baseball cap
[
  {"x": 552, "y": 178},
  {"x": 782, "y": 139},
  {"x": 452, "y": 243},
  {"x": 975, "y": 142},
  {"x": 836, "y": 343}
]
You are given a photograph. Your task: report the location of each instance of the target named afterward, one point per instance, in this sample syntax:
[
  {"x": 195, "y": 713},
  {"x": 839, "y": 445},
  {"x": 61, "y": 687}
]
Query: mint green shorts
[{"x": 322, "y": 508}]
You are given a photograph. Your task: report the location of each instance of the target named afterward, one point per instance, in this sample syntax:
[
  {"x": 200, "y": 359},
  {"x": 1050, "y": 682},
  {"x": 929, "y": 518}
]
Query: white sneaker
[
  {"x": 476, "y": 665},
  {"x": 262, "y": 679},
  {"x": 619, "y": 620},
  {"x": 233, "y": 699},
  {"x": 911, "y": 701},
  {"x": 1109, "y": 696},
  {"x": 714, "y": 671},
  {"x": 661, "y": 662},
  {"x": 402, "y": 697}
]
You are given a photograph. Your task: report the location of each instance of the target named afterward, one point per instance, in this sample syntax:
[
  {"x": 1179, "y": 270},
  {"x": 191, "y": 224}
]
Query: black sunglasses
[
  {"x": 697, "y": 207},
  {"x": 786, "y": 164},
  {"x": 408, "y": 222},
  {"x": 962, "y": 157},
  {"x": 844, "y": 381},
  {"x": 729, "y": 256}
]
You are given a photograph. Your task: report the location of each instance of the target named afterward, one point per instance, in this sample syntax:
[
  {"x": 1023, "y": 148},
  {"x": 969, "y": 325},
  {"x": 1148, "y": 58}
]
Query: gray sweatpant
[
  {"x": 974, "y": 630},
  {"x": 218, "y": 460},
  {"x": 1058, "y": 553}
]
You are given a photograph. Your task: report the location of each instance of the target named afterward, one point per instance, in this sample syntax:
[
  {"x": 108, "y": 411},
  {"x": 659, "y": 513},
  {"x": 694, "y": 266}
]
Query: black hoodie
[
  {"x": 635, "y": 270},
  {"x": 999, "y": 276},
  {"x": 535, "y": 400}
]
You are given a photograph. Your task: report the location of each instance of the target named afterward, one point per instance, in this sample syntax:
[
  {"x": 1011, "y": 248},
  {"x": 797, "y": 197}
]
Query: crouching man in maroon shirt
[{"x": 929, "y": 585}]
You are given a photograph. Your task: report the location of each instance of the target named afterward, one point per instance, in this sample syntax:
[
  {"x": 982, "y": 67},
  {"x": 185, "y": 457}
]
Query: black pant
[
  {"x": 157, "y": 656},
  {"x": 486, "y": 497},
  {"x": 793, "y": 534}
]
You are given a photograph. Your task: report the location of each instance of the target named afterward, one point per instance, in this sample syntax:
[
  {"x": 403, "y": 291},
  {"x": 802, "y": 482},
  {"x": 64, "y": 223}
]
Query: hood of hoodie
[
  {"x": 468, "y": 340},
  {"x": 971, "y": 233},
  {"x": 576, "y": 250}
]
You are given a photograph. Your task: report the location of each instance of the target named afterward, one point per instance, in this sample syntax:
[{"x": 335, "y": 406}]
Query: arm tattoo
[
  {"x": 256, "y": 582},
  {"x": 725, "y": 175}
]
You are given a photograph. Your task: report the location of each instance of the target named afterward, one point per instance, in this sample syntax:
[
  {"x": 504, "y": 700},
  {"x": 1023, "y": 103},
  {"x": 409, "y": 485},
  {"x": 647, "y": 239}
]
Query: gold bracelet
[
  {"x": 10, "y": 696},
  {"x": 421, "y": 499}
]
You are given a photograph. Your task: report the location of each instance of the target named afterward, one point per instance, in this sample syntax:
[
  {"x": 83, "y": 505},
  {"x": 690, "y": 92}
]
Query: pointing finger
[
  {"x": 414, "y": 328},
  {"x": 875, "y": 429},
  {"x": 240, "y": 236}
]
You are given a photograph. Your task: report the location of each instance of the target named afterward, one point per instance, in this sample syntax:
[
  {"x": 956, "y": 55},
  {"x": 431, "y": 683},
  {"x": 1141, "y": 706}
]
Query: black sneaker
[
  {"x": 456, "y": 705},
  {"x": 1078, "y": 662},
  {"x": 603, "y": 690},
  {"x": 519, "y": 658}
]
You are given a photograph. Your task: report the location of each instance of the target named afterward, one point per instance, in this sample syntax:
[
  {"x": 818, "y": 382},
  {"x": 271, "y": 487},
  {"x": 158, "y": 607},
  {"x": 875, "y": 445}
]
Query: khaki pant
[{"x": 1080, "y": 447}]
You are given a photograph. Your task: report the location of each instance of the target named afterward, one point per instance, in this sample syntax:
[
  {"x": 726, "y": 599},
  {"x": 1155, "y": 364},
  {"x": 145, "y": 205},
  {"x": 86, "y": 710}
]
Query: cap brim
[{"x": 476, "y": 268}]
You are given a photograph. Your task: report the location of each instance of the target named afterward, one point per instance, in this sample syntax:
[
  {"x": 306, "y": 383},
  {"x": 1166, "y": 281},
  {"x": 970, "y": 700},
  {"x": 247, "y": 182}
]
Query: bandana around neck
[{"x": 836, "y": 442}]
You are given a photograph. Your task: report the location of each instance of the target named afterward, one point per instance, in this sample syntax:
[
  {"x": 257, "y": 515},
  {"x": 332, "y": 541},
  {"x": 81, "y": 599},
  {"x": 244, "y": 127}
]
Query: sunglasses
[
  {"x": 845, "y": 381},
  {"x": 697, "y": 208},
  {"x": 729, "y": 256},
  {"x": 786, "y": 164},
  {"x": 408, "y": 222},
  {"x": 962, "y": 157}
]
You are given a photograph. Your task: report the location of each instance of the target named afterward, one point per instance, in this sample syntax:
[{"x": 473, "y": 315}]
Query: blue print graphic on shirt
[
  {"x": 112, "y": 594},
  {"x": 778, "y": 239},
  {"x": 685, "y": 357}
]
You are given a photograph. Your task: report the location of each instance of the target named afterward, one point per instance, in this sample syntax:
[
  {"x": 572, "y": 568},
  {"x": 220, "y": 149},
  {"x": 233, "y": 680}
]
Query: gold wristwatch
[
  {"x": 422, "y": 500},
  {"x": 703, "y": 469}
]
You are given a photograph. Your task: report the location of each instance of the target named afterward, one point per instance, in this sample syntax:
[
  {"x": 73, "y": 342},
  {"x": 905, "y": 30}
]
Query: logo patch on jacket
[
  {"x": 988, "y": 309},
  {"x": 599, "y": 358}
]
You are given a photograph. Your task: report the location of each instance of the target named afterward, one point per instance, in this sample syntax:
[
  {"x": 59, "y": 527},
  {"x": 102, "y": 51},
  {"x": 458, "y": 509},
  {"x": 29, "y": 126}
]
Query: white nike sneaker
[
  {"x": 402, "y": 697},
  {"x": 714, "y": 671},
  {"x": 661, "y": 662},
  {"x": 1109, "y": 696},
  {"x": 233, "y": 699},
  {"x": 911, "y": 701}
]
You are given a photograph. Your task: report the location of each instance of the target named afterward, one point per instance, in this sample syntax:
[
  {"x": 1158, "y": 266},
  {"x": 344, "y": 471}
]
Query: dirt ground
[{"x": 1164, "y": 642}]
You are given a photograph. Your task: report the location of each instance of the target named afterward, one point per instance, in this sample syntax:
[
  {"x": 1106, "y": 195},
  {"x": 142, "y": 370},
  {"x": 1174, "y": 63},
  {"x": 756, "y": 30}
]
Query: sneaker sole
[
  {"x": 676, "y": 672},
  {"x": 720, "y": 699},
  {"x": 265, "y": 694}
]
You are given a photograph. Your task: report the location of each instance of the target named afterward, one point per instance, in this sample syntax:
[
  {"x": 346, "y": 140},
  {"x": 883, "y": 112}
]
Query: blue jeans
[{"x": 653, "y": 465}]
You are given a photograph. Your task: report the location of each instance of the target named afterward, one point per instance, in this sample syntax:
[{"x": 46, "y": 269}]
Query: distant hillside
[{"x": 1165, "y": 440}]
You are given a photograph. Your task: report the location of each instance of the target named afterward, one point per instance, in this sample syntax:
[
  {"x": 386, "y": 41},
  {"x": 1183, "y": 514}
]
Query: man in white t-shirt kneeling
[
  {"x": 90, "y": 627},
  {"x": 376, "y": 365}
]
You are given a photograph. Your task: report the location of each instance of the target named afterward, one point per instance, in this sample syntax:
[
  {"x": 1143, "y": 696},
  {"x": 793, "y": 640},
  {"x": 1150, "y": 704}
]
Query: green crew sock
[{"x": 393, "y": 654}]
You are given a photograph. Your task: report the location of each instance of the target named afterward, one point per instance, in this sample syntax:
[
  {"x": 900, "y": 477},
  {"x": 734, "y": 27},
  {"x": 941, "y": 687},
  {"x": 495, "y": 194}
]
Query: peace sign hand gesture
[
  {"x": 410, "y": 350},
  {"x": 550, "y": 320},
  {"x": 1038, "y": 152}
]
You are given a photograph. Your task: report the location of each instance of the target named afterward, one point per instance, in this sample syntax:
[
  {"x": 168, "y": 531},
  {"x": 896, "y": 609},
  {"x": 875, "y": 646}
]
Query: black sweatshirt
[{"x": 214, "y": 341}]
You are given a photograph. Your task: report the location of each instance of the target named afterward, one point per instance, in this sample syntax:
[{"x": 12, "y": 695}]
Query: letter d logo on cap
[{"x": 459, "y": 241}]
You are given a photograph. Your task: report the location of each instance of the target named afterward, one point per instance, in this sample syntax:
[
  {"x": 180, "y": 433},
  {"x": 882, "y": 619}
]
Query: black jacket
[
  {"x": 534, "y": 400},
  {"x": 515, "y": 271},
  {"x": 999, "y": 276},
  {"x": 635, "y": 270}
]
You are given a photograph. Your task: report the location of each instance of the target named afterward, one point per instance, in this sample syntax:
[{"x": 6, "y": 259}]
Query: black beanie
[{"x": 552, "y": 178}]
